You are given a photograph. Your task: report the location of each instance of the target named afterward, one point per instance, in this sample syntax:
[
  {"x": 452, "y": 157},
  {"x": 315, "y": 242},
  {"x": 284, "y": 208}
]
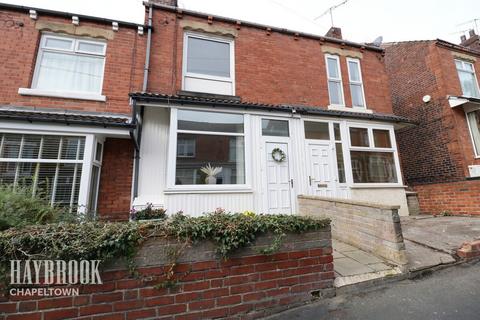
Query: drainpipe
[{"x": 136, "y": 161}]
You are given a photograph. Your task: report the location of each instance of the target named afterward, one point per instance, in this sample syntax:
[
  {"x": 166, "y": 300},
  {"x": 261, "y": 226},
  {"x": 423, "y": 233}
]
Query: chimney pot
[
  {"x": 463, "y": 38},
  {"x": 472, "y": 33}
]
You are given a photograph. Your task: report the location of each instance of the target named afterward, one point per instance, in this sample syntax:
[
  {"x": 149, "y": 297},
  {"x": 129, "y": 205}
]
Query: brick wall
[
  {"x": 461, "y": 197},
  {"x": 247, "y": 286},
  {"x": 125, "y": 57},
  {"x": 116, "y": 180},
  {"x": 270, "y": 67},
  {"x": 371, "y": 227}
]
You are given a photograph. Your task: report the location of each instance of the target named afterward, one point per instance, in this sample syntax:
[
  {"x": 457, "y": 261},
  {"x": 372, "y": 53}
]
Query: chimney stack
[
  {"x": 334, "y": 32},
  {"x": 171, "y": 3},
  {"x": 473, "y": 42}
]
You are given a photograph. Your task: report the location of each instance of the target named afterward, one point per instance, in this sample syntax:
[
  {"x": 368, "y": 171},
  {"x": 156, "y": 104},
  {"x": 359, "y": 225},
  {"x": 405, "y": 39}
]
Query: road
[{"x": 452, "y": 293}]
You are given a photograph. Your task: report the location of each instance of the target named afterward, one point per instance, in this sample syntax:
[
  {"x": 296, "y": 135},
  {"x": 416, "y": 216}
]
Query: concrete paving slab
[
  {"x": 421, "y": 257},
  {"x": 379, "y": 266},
  {"x": 350, "y": 267},
  {"x": 446, "y": 234},
  {"x": 363, "y": 257},
  {"x": 337, "y": 254},
  {"x": 342, "y": 247}
]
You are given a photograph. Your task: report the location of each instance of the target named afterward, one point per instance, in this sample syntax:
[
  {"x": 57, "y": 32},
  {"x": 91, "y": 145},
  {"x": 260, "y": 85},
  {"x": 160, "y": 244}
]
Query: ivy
[{"x": 107, "y": 241}]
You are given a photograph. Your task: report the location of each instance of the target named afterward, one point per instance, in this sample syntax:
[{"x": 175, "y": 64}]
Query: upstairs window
[
  {"x": 208, "y": 64},
  {"x": 468, "y": 81},
  {"x": 70, "y": 65},
  {"x": 356, "y": 83},
  {"x": 335, "y": 87}
]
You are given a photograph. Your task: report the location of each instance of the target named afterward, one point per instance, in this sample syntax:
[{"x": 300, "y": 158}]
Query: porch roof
[
  {"x": 235, "y": 102},
  {"x": 32, "y": 114}
]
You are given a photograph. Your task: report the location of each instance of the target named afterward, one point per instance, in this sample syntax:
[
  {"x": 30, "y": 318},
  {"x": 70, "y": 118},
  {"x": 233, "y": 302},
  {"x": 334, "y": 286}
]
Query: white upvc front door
[
  {"x": 322, "y": 176},
  {"x": 278, "y": 177}
]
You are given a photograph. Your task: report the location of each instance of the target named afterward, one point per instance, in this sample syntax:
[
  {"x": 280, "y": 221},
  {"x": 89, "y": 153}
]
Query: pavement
[
  {"x": 447, "y": 294},
  {"x": 352, "y": 265}
]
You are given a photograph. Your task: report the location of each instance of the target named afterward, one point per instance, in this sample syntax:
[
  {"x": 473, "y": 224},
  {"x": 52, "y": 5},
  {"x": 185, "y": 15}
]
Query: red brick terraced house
[
  {"x": 276, "y": 113},
  {"x": 65, "y": 117},
  {"x": 221, "y": 113},
  {"x": 435, "y": 84}
]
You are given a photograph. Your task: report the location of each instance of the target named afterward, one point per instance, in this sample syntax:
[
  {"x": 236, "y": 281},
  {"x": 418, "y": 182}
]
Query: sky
[{"x": 360, "y": 20}]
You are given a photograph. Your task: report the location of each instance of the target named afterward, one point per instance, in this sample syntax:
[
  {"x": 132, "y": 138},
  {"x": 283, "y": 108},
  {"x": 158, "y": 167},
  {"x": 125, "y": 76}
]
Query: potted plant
[
  {"x": 149, "y": 213},
  {"x": 211, "y": 173}
]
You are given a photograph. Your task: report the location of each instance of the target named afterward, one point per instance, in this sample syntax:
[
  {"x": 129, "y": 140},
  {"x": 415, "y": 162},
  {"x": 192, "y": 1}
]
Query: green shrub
[{"x": 18, "y": 208}]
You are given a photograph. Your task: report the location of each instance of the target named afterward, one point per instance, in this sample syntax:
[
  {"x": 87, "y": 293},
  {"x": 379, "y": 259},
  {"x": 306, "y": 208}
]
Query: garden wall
[
  {"x": 371, "y": 227},
  {"x": 248, "y": 285}
]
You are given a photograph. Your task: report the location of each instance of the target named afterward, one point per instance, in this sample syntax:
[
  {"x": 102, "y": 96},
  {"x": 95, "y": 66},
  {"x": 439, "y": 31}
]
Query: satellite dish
[{"x": 378, "y": 41}]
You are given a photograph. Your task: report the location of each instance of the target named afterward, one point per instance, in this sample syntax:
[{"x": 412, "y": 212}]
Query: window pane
[
  {"x": 31, "y": 146},
  {"x": 92, "y": 206},
  {"x": 186, "y": 146},
  {"x": 373, "y": 167},
  {"x": 208, "y": 57},
  {"x": 98, "y": 151},
  {"x": 340, "y": 163},
  {"x": 60, "y": 71},
  {"x": 333, "y": 68},
  {"x": 51, "y": 145},
  {"x": 316, "y": 130},
  {"x": 459, "y": 65},
  {"x": 210, "y": 121},
  {"x": 54, "y": 43},
  {"x": 357, "y": 95},
  {"x": 474, "y": 121},
  {"x": 11, "y": 146},
  {"x": 359, "y": 137},
  {"x": 96, "y": 48},
  {"x": 7, "y": 172},
  {"x": 335, "y": 92},
  {"x": 382, "y": 138},
  {"x": 469, "y": 84},
  {"x": 336, "y": 130},
  {"x": 224, "y": 153},
  {"x": 354, "y": 71},
  {"x": 277, "y": 128},
  {"x": 72, "y": 148}
]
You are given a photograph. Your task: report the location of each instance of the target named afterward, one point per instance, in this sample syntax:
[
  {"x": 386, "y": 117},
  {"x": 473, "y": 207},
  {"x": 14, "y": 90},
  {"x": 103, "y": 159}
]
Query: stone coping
[{"x": 352, "y": 202}]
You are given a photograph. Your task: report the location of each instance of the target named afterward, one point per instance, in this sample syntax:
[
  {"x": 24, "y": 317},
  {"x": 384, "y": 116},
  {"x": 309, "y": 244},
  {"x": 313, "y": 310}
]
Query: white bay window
[
  {"x": 218, "y": 155},
  {"x": 53, "y": 166},
  {"x": 373, "y": 155}
]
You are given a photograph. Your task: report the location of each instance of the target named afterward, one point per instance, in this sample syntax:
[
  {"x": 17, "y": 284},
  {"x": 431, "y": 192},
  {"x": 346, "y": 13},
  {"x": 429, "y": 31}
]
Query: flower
[
  {"x": 211, "y": 171},
  {"x": 250, "y": 214}
]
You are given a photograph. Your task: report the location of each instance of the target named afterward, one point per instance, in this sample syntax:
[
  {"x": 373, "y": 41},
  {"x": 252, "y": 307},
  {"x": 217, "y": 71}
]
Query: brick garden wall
[{"x": 247, "y": 286}]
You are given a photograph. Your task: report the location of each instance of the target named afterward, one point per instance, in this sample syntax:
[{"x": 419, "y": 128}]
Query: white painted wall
[{"x": 389, "y": 196}]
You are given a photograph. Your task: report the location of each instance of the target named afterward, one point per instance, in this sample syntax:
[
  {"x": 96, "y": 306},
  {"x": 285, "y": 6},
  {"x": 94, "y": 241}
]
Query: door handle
[
  {"x": 310, "y": 180},
  {"x": 322, "y": 185},
  {"x": 291, "y": 182}
]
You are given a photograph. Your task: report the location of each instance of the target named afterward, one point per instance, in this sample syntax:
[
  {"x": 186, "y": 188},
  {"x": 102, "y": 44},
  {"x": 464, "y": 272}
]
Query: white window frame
[
  {"x": 352, "y": 82},
  {"x": 372, "y": 148},
  {"x": 338, "y": 80},
  {"x": 463, "y": 62},
  {"x": 172, "y": 153},
  {"x": 87, "y": 162},
  {"x": 202, "y": 36},
  {"x": 470, "y": 131},
  {"x": 72, "y": 94}
]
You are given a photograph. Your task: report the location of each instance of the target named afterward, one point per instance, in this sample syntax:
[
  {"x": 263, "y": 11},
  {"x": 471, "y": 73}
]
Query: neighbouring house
[
  {"x": 246, "y": 117},
  {"x": 435, "y": 83},
  {"x": 65, "y": 118},
  {"x": 221, "y": 113}
]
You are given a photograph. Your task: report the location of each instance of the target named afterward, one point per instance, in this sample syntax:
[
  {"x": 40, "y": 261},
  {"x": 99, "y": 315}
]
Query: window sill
[
  {"x": 61, "y": 94},
  {"x": 349, "y": 109},
  {"x": 376, "y": 185},
  {"x": 208, "y": 190}
]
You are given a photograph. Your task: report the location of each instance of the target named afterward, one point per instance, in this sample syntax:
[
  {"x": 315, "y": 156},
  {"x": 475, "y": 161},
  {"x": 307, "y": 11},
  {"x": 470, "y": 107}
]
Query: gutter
[
  {"x": 264, "y": 27},
  {"x": 136, "y": 112},
  {"x": 68, "y": 15}
]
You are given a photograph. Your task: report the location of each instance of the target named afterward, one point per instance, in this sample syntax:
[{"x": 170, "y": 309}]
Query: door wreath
[{"x": 278, "y": 155}]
